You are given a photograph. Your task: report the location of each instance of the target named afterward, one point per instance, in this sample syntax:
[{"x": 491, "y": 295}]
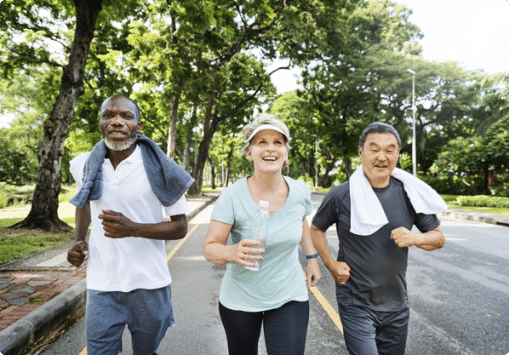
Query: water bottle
[{"x": 258, "y": 230}]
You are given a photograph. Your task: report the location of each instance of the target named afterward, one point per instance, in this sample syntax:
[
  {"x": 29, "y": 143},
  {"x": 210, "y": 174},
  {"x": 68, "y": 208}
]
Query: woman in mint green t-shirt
[{"x": 275, "y": 296}]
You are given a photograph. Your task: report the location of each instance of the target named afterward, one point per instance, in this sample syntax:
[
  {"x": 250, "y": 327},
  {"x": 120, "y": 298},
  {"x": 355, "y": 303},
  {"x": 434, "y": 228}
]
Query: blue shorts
[{"x": 147, "y": 313}]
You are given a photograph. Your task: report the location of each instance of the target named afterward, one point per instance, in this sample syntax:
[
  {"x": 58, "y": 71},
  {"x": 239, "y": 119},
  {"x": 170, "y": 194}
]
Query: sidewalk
[
  {"x": 40, "y": 292},
  {"x": 477, "y": 216}
]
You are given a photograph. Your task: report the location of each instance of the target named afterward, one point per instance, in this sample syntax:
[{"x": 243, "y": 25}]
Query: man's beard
[{"x": 118, "y": 147}]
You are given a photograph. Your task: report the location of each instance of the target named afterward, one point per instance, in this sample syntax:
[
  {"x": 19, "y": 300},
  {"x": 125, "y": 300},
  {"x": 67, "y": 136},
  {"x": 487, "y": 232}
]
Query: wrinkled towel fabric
[
  {"x": 367, "y": 214},
  {"x": 168, "y": 180}
]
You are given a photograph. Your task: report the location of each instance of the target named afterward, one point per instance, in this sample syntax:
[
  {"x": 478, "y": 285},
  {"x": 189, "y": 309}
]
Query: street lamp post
[
  {"x": 316, "y": 163},
  {"x": 414, "y": 146}
]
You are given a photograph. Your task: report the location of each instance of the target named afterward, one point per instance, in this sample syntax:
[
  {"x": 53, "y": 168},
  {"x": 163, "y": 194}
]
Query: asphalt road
[{"x": 459, "y": 298}]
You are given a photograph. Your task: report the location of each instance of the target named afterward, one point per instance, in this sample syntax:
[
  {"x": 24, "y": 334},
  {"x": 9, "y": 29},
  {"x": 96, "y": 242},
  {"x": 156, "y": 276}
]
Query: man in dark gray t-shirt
[{"x": 370, "y": 270}]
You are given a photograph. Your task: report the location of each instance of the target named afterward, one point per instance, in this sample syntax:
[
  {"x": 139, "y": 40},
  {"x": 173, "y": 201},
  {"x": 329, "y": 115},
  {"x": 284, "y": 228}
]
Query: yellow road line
[
  {"x": 331, "y": 312},
  {"x": 170, "y": 255},
  {"x": 177, "y": 247}
]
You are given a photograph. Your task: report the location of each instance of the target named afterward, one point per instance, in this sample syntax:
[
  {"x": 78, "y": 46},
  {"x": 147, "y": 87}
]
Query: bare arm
[
  {"x": 313, "y": 274},
  {"x": 339, "y": 270},
  {"x": 79, "y": 250},
  {"x": 431, "y": 240},
  {"x": 116, "y": 225},
  {"x": 216, "y": 251}
]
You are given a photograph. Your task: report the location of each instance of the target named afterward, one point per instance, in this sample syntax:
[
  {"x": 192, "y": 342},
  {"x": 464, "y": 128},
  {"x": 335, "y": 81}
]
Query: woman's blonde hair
[{"x": 261, "y": 119}]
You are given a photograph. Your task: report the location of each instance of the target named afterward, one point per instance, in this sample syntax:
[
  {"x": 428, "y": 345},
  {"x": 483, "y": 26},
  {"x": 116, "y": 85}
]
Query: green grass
[
  {"x": 322, "y": 189},
  {"x": 207, "y": 188},
  {"x": 15, "y": 244},
  {"x": 66, "y": 193},
  {"x": 15, "y": 195},
  {"x": 18, "y": 243},
  {"x": 451, "y": 201},
  {"x": 14, "y": 214}
]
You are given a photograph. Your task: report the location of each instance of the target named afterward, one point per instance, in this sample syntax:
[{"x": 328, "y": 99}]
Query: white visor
[{"x": 267, "y": 126}]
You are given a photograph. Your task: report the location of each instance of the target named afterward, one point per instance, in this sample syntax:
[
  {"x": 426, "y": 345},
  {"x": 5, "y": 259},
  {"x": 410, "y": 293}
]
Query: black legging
[{"x": 284, "y": 328}]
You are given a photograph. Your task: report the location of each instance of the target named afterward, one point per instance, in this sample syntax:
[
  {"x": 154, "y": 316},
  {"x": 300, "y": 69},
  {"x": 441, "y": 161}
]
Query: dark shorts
[
  {"x": 147, "y": 313},
  {"x": 374, "y": 333}
]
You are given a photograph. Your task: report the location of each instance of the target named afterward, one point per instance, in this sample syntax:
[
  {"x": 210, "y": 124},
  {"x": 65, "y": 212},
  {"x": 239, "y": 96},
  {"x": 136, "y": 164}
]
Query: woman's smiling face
[{"x": 267, "y": 151}]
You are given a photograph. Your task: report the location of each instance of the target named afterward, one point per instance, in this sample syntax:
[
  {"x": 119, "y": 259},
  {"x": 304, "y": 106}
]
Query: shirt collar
[{"x": 134, "y": 158}]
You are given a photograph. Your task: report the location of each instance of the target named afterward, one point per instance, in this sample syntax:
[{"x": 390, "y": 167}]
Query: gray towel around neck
[{"x": 168, "y": 180}]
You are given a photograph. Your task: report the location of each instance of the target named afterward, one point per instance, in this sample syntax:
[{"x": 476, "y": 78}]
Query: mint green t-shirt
[{"x": 280, "y": 279}]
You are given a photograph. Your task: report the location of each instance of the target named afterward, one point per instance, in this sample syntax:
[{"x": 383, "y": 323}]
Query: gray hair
[
  {"x": 378, "y": 127},
  {"x": 261, "y": 119}
]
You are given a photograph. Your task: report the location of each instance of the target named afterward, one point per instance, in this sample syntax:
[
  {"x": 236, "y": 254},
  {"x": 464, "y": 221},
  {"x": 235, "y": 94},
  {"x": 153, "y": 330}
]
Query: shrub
[
  {"x": 500, "y": 191},
  {"x": 3, "y": 197},
  {"x": 483, "y": 201},
  {"x": 337, "y": 179},
  {"x": 501, "y": 187},
  {"x": 308, "y": 180},
  {"x": 452, "y": 185}
]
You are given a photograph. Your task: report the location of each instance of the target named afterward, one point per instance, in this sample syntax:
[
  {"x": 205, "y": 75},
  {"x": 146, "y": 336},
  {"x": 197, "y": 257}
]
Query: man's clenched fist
[{"x": 77, "y": 253}]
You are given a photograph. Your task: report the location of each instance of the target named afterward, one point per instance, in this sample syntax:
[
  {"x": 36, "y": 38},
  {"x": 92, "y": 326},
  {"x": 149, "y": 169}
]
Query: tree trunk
[
  {"x": 348, "y": 166},
  {"x": 229, "y": 161},
  {"x": 203, "y": 151},
  {"x": 485, "y": 179},
  {"x": 186, "y": 158},
  {"x": 324, "y": 180},
  {"x": 172, "y": 131},
  {"x": 43, "y": 214},
  {"x": 187, "y": 155},
  {"x": 212, "y": 174}
]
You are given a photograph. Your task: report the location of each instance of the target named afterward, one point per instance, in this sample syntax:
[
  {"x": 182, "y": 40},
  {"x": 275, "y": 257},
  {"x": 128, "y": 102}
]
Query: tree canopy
[{"x": 199, "y": 70}]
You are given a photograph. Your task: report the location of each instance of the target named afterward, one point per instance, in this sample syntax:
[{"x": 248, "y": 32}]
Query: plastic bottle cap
[{"x": 264, "y": 204}]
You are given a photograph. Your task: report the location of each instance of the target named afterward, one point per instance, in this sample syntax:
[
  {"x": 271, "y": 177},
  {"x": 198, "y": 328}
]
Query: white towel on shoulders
[{"x": 367, "y": 214}]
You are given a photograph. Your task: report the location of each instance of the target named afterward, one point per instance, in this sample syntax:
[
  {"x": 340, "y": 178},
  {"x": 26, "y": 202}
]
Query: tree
[
  {"x": 43, "y": 213},
  {"x": 446, "y": 99},
  {"x": 478, "y": 154},
  {"x": 227, "y": 157},
  {"x": 202, "y": 55},
  {"x": 292, "y": 110},
  {"x": 341, "y": 88},
  {"x": 27, "y": 98}
]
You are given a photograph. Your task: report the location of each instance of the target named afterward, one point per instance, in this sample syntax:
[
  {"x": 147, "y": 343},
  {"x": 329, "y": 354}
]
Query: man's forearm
[
  {"x": 431, "y": 240},
  {"x": 166, "y": 230},
  {"x": 319, "y": 239},
  {"x": 82, "y": 222}
]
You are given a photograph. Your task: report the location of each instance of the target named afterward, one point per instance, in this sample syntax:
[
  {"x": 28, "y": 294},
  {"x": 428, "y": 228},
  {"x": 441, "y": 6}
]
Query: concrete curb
[
  {"x": 17, "y": 338},
  {"x": 20, "y": 336},
  {"x": 500, "y": 220}
]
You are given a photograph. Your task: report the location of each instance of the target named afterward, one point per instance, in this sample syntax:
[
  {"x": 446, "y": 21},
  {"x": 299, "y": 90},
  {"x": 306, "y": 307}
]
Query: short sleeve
[
  {"x": 76, "y": 168},
  {"x": 223, "y": 208},
  {"x": 426, "y": 222},
  {"x": 328, "y": 212},
  {"x": 179, "y": 207},
  {"x": 308, "y": 206}
]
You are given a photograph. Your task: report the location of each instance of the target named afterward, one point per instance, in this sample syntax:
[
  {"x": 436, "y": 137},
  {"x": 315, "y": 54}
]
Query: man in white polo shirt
[{"x": 126, "y": 186}]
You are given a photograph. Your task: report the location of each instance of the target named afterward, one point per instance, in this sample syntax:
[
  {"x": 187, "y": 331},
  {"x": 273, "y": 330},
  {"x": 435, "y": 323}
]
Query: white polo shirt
[{"x": 130, "y": 263}]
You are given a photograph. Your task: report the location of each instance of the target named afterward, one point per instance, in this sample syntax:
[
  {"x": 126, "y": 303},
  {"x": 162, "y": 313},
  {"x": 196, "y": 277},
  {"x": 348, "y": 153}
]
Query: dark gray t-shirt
[{"x": 377, "y": 265}]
